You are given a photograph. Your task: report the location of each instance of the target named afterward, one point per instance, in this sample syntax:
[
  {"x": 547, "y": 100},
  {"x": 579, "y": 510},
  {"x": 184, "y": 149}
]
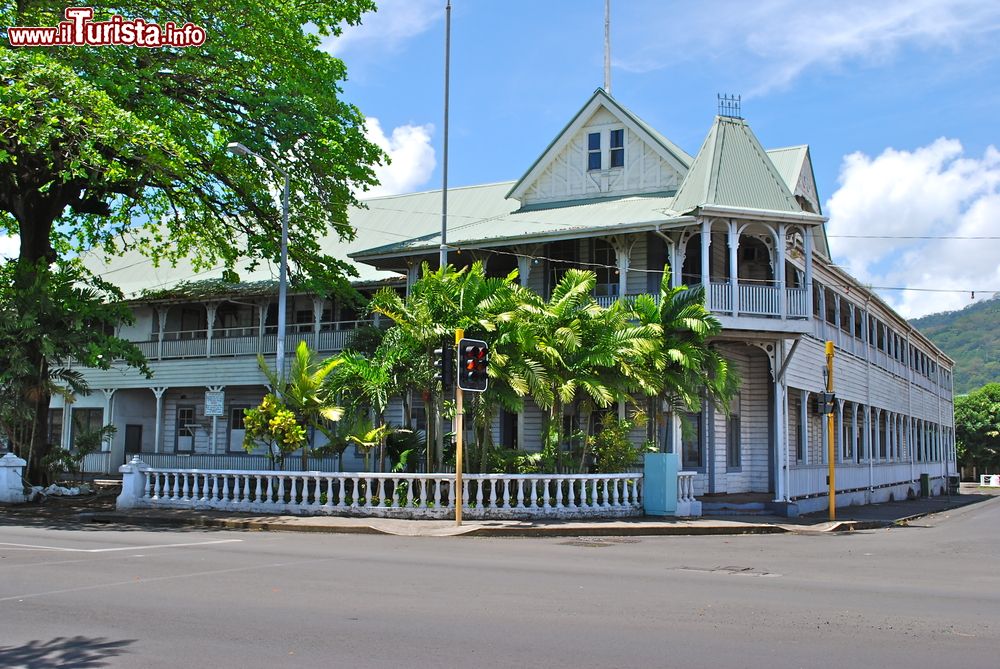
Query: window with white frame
[
  {"x": 593, "y": 151},
  {"x": 617, "y": 148}
]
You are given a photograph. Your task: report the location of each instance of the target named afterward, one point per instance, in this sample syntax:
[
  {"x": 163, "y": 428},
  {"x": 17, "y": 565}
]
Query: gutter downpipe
[
  {"x": 868, "y": 400},
  {"x": 784, "y": 404},
  {"x": 940, "y": 427},
  {"x": 909, "y": 399}
]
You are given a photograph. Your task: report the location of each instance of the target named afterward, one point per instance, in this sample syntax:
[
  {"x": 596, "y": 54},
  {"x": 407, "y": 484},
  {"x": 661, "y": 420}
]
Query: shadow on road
[
  {"x": 70, "y": 514},
  {"x": 78, "y": 652}
]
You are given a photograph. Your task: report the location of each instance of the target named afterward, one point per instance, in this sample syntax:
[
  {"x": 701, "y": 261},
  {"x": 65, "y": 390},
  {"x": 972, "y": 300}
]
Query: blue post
[{"x": 659, "y": 485}]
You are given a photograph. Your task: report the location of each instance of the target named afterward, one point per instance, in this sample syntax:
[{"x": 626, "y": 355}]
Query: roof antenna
[
  {"x": 607, "y": 46},
  {"x": 729, "y": 105}
]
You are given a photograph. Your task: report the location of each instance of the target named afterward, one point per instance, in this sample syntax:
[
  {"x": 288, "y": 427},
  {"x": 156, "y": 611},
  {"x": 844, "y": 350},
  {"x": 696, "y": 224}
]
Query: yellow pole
[
  {"x": 831, "y": 449},
  {"x": 459, "y": 429}
]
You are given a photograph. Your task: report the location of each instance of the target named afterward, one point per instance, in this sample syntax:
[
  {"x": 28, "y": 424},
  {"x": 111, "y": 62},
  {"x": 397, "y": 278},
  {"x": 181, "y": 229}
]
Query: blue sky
[{"x": 897, "y": 101}]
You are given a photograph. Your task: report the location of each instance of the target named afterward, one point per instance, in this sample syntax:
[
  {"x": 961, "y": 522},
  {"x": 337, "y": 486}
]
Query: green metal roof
[
  {"x": 733, "y": 170},
  {"x": 528, "y": 225},
  {"x": 788, "y": 161},
  {"x": 387, "y": 220}
]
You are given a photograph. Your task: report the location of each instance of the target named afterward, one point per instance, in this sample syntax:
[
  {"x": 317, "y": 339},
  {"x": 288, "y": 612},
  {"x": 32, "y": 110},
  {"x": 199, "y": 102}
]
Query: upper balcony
[
  {"x": 748, "y": 300},
  {"x": 330, "y": 337}
]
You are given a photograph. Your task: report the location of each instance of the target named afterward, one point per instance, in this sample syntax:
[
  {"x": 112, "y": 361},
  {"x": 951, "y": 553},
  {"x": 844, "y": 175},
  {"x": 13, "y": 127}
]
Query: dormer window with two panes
[{"x": 616, "y": 150}]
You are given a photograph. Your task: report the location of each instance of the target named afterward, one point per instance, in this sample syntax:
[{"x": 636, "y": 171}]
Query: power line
[{"x": 929, "y": 237}]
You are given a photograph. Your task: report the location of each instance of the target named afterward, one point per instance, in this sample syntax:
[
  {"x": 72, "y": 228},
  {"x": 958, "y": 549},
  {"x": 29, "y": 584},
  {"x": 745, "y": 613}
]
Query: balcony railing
[
  {"x": 754, "y": 300},
  {"x": 239, "y": 341},
  {"x": 757, "y": 300}
]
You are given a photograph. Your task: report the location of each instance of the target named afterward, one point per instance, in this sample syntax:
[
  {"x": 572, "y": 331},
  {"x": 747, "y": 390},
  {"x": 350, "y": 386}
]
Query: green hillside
[{"x": 972, "y": 338}]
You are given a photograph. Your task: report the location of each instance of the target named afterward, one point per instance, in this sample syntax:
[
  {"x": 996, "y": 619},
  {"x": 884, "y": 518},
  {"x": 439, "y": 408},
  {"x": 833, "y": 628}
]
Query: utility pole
[
  {"x": 443, "y": 255},
  {"x": 459, "y": 441},
  {"x": 831, "y": 450}
]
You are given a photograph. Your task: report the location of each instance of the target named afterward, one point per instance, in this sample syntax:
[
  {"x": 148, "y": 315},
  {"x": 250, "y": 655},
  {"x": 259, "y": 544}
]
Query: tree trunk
[{"x": 35, "y": 216}]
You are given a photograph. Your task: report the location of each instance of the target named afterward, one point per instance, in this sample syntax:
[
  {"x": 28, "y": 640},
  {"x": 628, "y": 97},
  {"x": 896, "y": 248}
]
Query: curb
[
  {"x": 554, "y": 531},
  {"x": 650, "y": 528}
]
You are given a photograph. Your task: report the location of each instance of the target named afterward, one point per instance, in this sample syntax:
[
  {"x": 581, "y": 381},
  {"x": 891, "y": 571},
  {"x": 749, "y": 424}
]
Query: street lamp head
[{"x": 238, "y": 149}]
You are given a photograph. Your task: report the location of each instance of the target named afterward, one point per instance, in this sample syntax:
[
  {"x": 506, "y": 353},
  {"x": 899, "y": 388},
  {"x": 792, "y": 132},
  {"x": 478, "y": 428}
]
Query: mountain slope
[{"x": 972, "y": 338}]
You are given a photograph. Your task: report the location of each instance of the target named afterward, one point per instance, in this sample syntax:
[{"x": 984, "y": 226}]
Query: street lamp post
[{"x": 238, "y": 149}]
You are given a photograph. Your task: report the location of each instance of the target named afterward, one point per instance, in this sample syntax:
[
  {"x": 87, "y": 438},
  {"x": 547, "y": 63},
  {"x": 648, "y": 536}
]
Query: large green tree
[
  {"x": 977, "y": 428},
  {"x": 122, "y": 147}
]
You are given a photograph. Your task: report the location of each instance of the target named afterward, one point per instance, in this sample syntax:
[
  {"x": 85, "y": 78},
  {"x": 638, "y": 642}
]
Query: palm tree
[
  {"x": 304, "y": 392},
  {"x": 589, "y": 355},
  {"x": 691, "y": 367},
  {"x": 445, "y": 300}
]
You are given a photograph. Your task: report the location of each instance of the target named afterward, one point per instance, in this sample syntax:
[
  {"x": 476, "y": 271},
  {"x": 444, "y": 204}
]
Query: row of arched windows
[
  {"x": 866, "y": 434},
  {"x": 850, "y": 318}
]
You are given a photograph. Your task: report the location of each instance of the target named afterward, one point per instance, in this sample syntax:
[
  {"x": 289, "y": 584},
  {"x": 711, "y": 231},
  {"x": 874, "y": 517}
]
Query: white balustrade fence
[
  {"x": 395, "y": 495},
  {"x": 989, "y": 480},
  {"x": 687, "y": 505}
]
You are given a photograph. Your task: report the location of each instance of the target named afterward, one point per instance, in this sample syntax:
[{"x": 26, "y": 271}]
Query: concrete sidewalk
[{"x": 849, "y": 519}]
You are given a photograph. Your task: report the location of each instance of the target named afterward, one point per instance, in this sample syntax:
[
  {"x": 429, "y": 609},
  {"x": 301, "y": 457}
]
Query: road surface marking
[
  {"x": 123, "y": 548},
  {"x": 138, "y": 580}
]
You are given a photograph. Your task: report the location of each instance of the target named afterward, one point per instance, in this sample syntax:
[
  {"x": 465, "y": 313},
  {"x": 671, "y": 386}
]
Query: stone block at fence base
[
  {"x": 133, "y": 484},
  {"x": 11, "y": 484},
  {"x": 659, "y": 492}
]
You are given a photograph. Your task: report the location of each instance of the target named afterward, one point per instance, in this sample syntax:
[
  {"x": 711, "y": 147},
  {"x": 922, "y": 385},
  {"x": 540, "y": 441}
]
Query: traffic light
[
  {"x": 474, "y": 357},
  {"x": 825, "y": 403},
  {"x": 444, "y": 361}
]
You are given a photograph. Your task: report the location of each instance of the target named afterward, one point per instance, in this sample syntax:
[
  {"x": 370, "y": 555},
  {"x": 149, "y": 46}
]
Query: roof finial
[
  {"x": 607, "y": 46},
  {"x": 729, "y": 105}
]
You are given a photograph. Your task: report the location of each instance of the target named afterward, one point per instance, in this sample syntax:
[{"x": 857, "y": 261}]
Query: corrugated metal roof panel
[
  {"x": 733, "y": 170},
  {"x": 593, "y": 215},
  {"x": 387, "y": 220},
  {"x": 788, "y": 161}
]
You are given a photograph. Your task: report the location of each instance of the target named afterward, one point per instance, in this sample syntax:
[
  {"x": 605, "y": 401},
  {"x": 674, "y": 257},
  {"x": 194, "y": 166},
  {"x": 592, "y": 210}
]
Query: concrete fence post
[
  {"x": 133, "y": 483},
  {"x": 11, "y": 485}
]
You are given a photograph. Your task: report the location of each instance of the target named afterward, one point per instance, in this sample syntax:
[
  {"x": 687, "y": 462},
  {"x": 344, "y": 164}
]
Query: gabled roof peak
[{"x": 672, "y": 155}]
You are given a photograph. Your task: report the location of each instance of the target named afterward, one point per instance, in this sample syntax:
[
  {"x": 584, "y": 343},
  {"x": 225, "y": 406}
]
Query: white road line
[
  {"x": 113, "y": 550},
  {"x": 156, "y": 579}
]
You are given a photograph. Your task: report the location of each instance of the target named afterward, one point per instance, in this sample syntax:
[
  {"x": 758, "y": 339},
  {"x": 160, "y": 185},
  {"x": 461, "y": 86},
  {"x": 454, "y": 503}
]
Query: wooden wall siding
[
  {"x": 536, "y": 278},
  {"x": 657, "y": 256},
  {"x": 195, "y": 396},
  {"x": 181, "y": 373},
  {"x": 134, "y": 407},
  {"x": 534, "y": 419},
  {"x": 852, "y": 383},
  {"x": 755, "y": 417},
  {"x": 142, "y": 329},
  {"x": 636, "y": 280},
  {"x": 828, "y": 280},
  {"x": 817, "y": 444},
  {"x": 718, "y": 253},
  {"x": 567, "y": 177},
  {"x": 394, "y": 412}
]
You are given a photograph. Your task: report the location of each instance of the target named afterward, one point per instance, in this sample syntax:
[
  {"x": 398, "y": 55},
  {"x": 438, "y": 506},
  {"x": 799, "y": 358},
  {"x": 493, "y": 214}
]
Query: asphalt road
[{"x": 927, "y": 595}]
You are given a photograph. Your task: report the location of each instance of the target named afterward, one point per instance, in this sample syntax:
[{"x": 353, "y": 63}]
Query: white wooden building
[{"x": 615, "y": 195}]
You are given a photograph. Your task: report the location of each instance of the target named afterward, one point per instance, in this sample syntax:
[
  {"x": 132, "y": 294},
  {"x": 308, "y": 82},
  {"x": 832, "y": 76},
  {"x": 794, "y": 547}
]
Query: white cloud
[
  {"x": 934, "y": 191},
  {"x": 411, "y": 154},
  {"x": 386, "y": 30},
  {"x": 9, "y": 246},
  {"x": 775, "y": 41}
]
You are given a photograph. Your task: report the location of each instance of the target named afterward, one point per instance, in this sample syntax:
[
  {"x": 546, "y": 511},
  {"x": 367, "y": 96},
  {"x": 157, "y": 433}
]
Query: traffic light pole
[
  {"x": 459, "y": 430},
  {"x": 831, "y": 450}
]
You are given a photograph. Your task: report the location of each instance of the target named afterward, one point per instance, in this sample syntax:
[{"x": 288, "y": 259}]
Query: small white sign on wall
[{"x": 215, "y": 401}]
